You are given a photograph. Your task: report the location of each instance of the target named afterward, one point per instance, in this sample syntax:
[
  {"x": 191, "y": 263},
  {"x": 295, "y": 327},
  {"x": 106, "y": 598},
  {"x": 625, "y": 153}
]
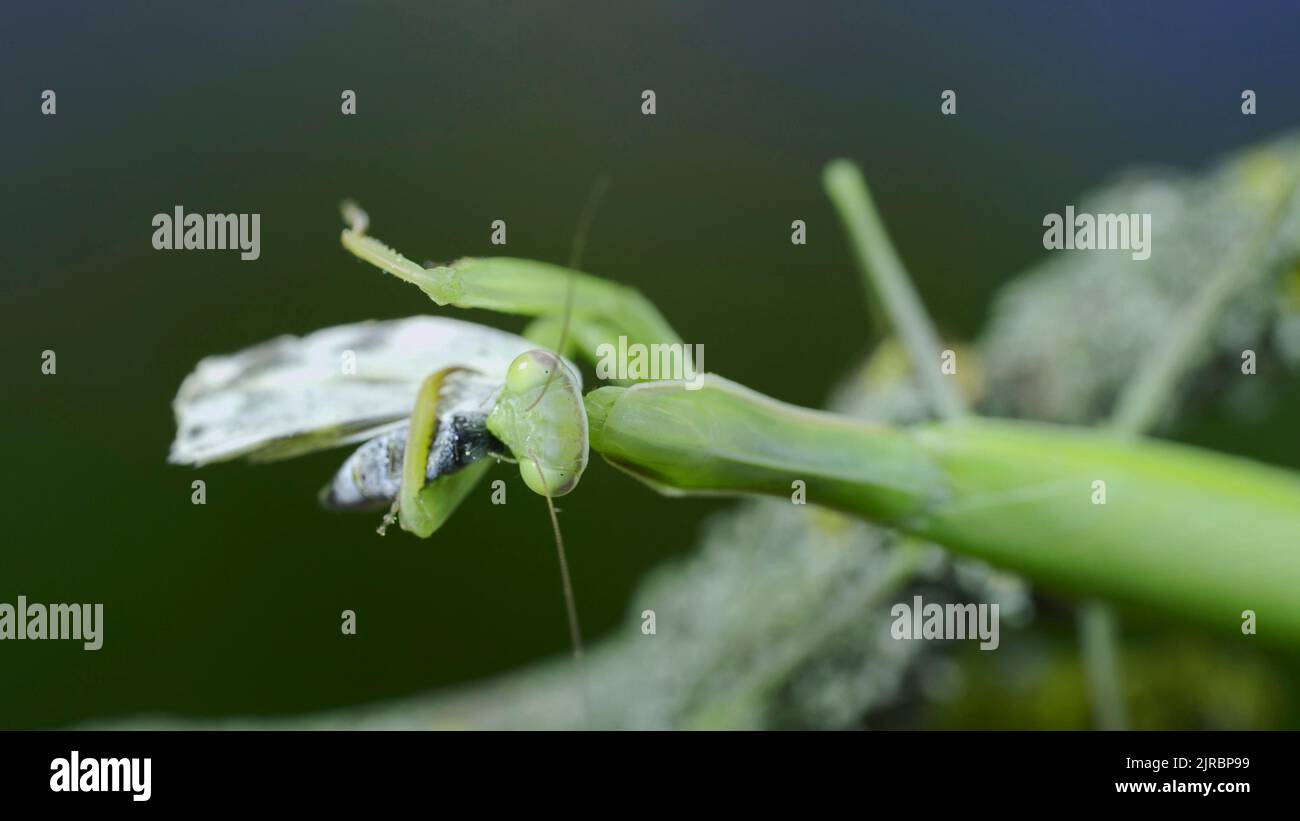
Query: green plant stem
[
  {"x": 1148, "y": 393},
  {"x": 1099, "y": 645},
  {"x": 885, "y": 276}
]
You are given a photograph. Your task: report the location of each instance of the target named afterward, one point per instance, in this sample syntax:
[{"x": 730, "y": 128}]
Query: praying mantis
[{"x": 1189, "y": 533}]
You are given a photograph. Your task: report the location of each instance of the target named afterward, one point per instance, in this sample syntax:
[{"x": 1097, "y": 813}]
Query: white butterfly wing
[{"x": 344, "y": 384}]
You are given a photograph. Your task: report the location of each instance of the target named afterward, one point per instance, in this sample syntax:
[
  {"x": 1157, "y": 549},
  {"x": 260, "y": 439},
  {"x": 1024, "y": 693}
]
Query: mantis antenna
[
  {"x": 570, "y": 603},
  {"x": 594, "y": 198},
  {"x": 585, "y": 219}
]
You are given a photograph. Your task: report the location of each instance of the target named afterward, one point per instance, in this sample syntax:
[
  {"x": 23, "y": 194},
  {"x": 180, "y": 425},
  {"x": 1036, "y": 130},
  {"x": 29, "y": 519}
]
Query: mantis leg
[
  {"x": 422, "y": 505},
  {"x": 518, "y": 286}
]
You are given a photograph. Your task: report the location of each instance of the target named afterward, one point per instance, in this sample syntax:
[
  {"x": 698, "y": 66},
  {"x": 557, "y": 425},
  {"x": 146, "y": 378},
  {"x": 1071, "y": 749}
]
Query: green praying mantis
[{"x": 1189, "y": 533}]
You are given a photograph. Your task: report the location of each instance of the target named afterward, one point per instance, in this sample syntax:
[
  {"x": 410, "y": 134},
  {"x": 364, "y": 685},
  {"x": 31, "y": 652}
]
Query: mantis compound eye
[
  {"x": 530, "y": 371},
  {"x": 541, "y": 418}
]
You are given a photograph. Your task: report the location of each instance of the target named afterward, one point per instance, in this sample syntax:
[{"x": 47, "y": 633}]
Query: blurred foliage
[
  {"x": 1171, "y": 681},
  {"x": 1065, "y": 335}
]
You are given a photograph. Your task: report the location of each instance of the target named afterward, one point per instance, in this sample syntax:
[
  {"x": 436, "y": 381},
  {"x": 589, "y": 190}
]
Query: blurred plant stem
[
  {"x": 884, "y": 275},
  {"x": 1149, "y": 394},
  {"x": 1099, "y": 645},
  {"x": 1153, "y": 387}
]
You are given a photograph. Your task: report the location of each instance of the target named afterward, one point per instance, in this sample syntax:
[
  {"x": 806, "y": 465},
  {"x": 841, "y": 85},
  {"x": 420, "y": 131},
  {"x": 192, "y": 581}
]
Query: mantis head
[{"x": 540, "y": 416}]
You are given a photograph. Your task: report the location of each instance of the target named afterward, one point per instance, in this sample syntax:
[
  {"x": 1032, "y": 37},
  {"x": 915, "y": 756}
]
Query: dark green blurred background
[{"x": 469, "y": 113}]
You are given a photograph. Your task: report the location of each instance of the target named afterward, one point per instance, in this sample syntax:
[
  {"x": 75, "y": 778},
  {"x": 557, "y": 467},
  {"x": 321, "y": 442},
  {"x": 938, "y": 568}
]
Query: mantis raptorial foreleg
[
  {"x": 422, "y": 505},
  {"x": 519, "y": 286},
  {"x": 539, "y": 413}
]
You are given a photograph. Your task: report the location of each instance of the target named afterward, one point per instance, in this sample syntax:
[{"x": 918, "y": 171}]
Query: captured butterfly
[{"x": 359, "y": 382}]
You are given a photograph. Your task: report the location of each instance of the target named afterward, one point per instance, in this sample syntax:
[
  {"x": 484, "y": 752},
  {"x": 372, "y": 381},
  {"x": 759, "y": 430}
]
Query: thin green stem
[
  {"x": 1148, "y": 393},
  {"x": 884, "y": 275},
  {"x": 1099, "y": 644}
]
